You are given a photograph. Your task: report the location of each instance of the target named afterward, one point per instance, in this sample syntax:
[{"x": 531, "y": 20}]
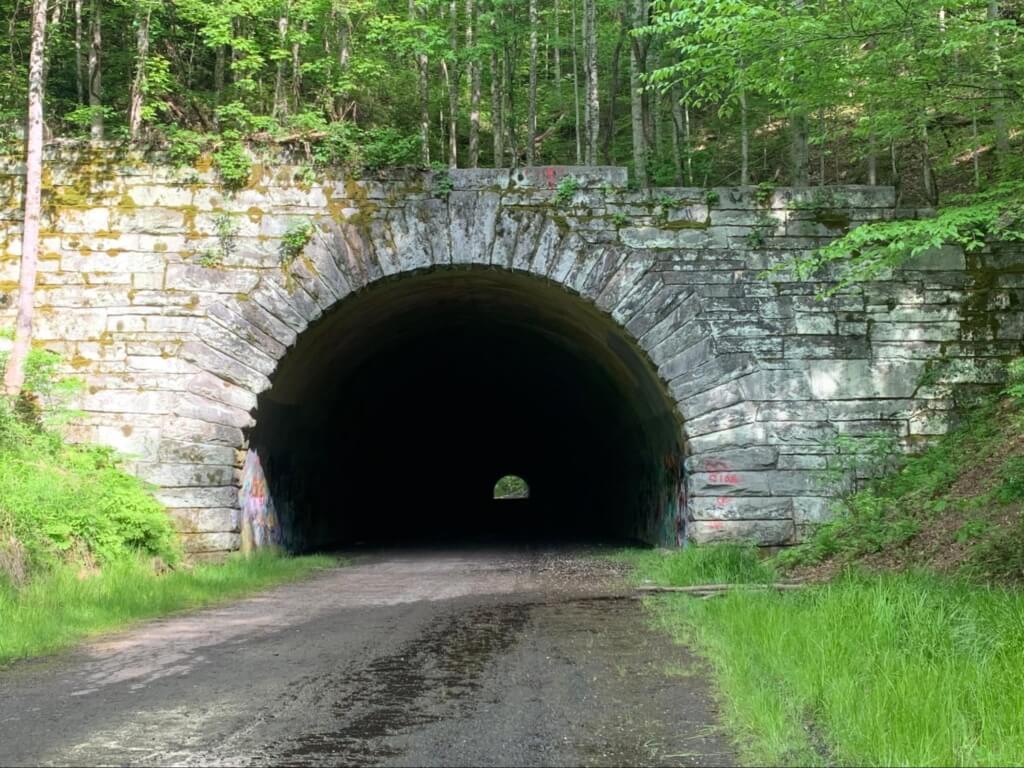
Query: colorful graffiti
[{"x": 260, "y": 524}]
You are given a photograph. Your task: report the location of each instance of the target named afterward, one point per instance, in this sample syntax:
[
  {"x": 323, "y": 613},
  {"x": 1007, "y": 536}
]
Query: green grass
[
  {"x": 718, "y": 564},
  {"x": 56, "y": 608}
]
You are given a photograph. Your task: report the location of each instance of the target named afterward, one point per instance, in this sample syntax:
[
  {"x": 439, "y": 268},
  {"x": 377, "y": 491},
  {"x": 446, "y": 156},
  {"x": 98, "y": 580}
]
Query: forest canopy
[{"x": 921, "y": 94}]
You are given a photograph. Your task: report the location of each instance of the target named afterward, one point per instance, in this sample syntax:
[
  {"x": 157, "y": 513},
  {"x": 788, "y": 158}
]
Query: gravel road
[{"x": 513, "y": 656}]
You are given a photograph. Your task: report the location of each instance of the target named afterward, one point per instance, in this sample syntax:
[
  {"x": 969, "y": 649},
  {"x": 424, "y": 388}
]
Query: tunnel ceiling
[{"x": 420, "y": 392}]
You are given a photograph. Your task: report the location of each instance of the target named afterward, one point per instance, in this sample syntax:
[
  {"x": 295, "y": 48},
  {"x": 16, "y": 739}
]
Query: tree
[
  {"x": 14, "y": 375},
  {"x": 531, "y": 120}
]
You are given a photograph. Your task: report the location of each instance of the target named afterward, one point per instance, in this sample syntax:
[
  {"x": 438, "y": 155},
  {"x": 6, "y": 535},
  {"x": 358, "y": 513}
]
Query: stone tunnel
[{"x": 319, "y": 364}]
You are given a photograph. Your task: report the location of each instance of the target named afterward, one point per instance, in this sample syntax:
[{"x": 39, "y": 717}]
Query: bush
[{"x": 63, "y": 503}]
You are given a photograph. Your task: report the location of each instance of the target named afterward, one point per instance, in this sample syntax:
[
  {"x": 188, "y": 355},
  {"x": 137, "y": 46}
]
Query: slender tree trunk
[
  {"x": 636, "y": 97},
  {"x": 927, "y": 175},
  {"x": 422, "y": 90},
  {"x": 593, "y": 101},
  {"x": 96, "y": 70},
  {"x": 688, "y": 140},
  {"x": 280, "y": 101},
  {"x": 999, "y": 125},
  {"x": 744, "y": 140},
  {"x": 557, "y": 54},
  {"x": 14, "y": 374},
  {"x": 798, "y": 128},
  {"x": 576, "y": 89},
  {"x": 531, "y": 118},
  {"x": 79, "y": 69},
  {"x": 677, "y": 129},
  {"x": 613, "y": 93},
  {"x": 497, "y": 98},
  {"x": 297, "y": 66},
  {"x": 138, "y": 91},
  {"x": 821, "y": 149},
  {"x": 452, "y": 75},
  {"x": 975, "y": 151},
  {"x": 54, "y": 27},
  {"x": 219, "y": 65},
  {"x": 474, "y": 87},
  {"x": 872, "y": 161}
]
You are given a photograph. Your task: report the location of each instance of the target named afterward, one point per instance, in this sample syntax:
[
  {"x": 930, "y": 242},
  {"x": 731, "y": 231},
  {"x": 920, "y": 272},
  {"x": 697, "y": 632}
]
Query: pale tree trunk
[
  {"x": 592, "y": 103},
  {"x": 677, "y": 129},
  {"x": 422, "y": 91},
  {"x": 280, "y": 101},
  {"x": 927, "y": 175},
  {"x": 344, "y": 38},
  {"x": 452, "y": 76},
  {"x": 14, "y": 375},
  {"x": 138, "y": 91},
  {"x": 54, "y": 27},
  {"x": 79, "y": 69},
  {"x": 497, "y": 99},
  {"x": 998, "y": 107},
  {"x": 576, "y": 89},
  {"x": 297, "y": 66},
  {"x": 557, "y": 54},
  {"x": 531, "y": 118},
  {"x": 744, "y": 140},
  {"x": 821, "y": 148},
  {"x": 474, "y": 87},
  {"x": 872, "y": 161},
  {"x": 636, "y": 95},
  {"x": 798, "y": 127},
  {"x": 688, "y": 142},
  {"x": 96, "y": 70},
  {"x": 608, "y": 151},
  {"x": 219, "y": 60}
]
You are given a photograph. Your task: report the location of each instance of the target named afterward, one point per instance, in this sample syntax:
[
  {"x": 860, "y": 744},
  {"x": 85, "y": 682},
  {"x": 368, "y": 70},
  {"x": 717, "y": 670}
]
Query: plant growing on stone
[
  {"x": 442, "y": 182},
  {"x": 619, "y": 219},
  {"x": 763, "y": 193},
  {"x": 566, "y": 189},
  {"x": 711, "y": 197},
  {"x": 1015, "y": 377},
  {"x": 184, "y": 146},
  {"x": 226, "y": 229},
  {"x": 294, "y": 239},
  {"x": 232, "y": 161}
]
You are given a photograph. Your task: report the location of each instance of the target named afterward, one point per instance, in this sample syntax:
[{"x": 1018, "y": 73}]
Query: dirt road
[{"x": 484, "y": 657}]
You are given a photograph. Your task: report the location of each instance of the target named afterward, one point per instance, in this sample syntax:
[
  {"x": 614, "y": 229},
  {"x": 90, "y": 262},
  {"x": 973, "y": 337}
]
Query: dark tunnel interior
[{"x": 395, "y": 414}]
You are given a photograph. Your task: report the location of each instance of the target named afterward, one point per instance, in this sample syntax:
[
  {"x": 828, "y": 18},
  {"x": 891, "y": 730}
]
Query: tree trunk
[
  {"x": 452, "y": 75},
  {"x": 872, "y": 161},
  {"x": 798, "y": 128},
  {"x": 280, "y": 102},
  {"x": 593, "y": 102},
  {"x": 422, "y": 89},
  {"x": 138, "y": 91},
  {"x": 95, "y": 70},
  {"x": 557, "y": 54},
  {"x": 297, "y": 67},
  {"x": 54, "y": 26},
  {"x": 576, "y": 89},
  {"x": 744, "y": 140},
  {"x": 927, "y": 175},
  {"x": 999, "y": 125},
  {"x": 497, "y": 99},
  {"x": 613, "y": 93},
  {"x": 14, "y": 375},
  {"x": 474, "y": 87},
  {"x": 677, "y": 129},
  {"x": 219, "y": 63},
  {"x": 79, "y": 69},
  {"x": 636, "y": 95},
  {"x": 531, "y": 117}
]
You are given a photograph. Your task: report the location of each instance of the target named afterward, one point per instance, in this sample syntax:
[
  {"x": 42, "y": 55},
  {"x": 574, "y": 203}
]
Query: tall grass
[
  {"x": 57, "y": 608},
  {"x": 901, "y": 669},
  {"x": 716, "y": 564}
]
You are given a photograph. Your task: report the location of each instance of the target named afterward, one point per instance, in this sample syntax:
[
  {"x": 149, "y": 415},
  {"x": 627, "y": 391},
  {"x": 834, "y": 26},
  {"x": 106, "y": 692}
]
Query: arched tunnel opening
[{"x": 394, "y": 416}]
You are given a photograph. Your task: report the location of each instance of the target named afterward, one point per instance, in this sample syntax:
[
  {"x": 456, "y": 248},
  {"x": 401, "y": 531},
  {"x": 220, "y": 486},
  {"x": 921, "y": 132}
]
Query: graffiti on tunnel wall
[{"x": 260, "y": 524}]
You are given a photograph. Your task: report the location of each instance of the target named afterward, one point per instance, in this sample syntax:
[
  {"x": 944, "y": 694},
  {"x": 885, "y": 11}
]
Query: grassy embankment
[
  {"x": 908, "y": 646},
  {"x": 83, "y": 546}
]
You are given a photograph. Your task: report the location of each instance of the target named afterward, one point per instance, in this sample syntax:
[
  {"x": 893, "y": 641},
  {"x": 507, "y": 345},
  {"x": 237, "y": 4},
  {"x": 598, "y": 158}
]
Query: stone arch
[{"x": 242, "y": 341}]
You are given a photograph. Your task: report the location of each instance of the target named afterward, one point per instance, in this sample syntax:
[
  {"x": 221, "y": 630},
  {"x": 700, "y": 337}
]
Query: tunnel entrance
[{"x": 394, "y": 414}]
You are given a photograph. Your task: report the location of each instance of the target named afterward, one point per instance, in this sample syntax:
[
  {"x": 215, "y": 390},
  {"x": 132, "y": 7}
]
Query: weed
[
  {"x": 226, "y": 228},
  {"x": 714, "y": 564},
  {"x": 619, "y": 219},
  {"x": 232, "y": 160},
  {"x": 294, "y": 239},
  {"x": 566, "y": 190},
  {"x": 712, "y": 198},
  {"x": 763, "y": 194}
]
